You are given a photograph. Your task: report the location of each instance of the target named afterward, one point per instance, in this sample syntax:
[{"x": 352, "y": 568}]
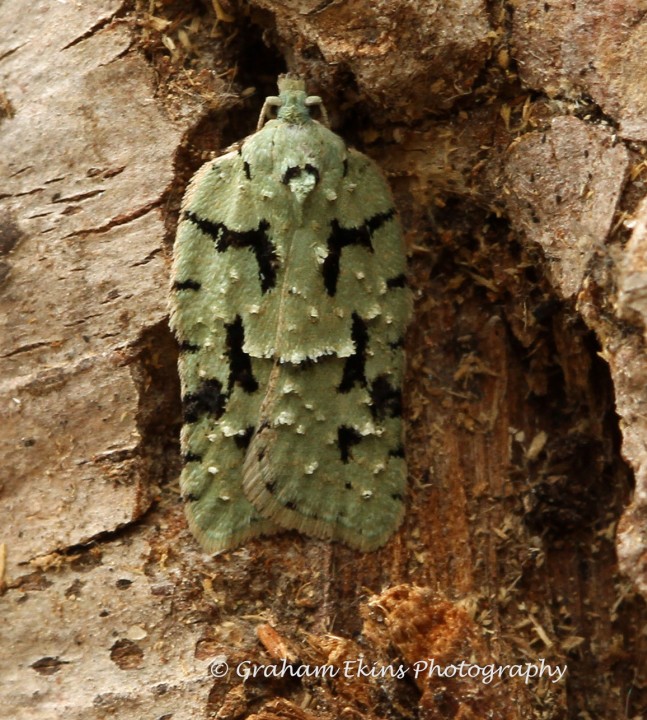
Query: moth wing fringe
[{"x": 229, "y": 541}]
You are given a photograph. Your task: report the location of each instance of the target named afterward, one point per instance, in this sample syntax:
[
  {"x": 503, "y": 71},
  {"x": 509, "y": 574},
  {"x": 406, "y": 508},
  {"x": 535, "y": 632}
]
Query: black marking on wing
[
  {"x": 399, "y": 281},
  {"x": 354, "y": 367},
  {"x": 399, "y": 343},
  {"x": 257, "y": 240},
  {"x": 246, "y": 170},
  {"x": 190, "y": 497},
  {"x": 240, "y": 364},
  {"x": 191, "y": 457},
  {"x": 345, "y": 166},
  {"x": 187, "y": 285},
  {"x": 340, "y": 238},
  {"x": 346, "y": 438},
  {"x": 386, "y": 400},
  {"x": 208, "y": 399},
  {"x": 296, "y": 171},
  {"x": 397, "y": 452},
  {"x": 375, "y": 223},
  {"x": 397, "y": 497},
  {"x": 290, "y": 173},
  {"x": 313, "y": 171},
  {"x": 188, "y": 347},
  {"x": 242, "y": 441}
]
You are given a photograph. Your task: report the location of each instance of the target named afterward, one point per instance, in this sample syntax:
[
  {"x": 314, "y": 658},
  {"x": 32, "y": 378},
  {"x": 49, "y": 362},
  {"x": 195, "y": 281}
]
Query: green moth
[{"x": 289, "y": 302}]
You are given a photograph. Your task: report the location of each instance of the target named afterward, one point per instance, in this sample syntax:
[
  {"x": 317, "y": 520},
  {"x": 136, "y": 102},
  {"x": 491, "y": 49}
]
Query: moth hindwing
[{"x": 289, "y": 302}]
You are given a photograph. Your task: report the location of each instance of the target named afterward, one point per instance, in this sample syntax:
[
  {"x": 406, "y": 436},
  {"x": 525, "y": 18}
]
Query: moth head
[{"x": 292, "y": 104}]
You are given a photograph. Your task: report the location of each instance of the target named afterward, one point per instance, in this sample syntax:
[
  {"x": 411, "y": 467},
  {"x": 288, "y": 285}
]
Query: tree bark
[{"x": 514, "y": 139}]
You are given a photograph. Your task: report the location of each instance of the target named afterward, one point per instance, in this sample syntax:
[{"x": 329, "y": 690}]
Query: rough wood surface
[
  {"x": 514, "y": 146},
  {"x": 85, "y": 167}
]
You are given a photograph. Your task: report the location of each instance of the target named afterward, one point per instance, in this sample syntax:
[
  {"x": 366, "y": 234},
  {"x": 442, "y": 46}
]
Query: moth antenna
[
  {"x": 272, "y": 101},
  {"x": 314, "y": 100}
]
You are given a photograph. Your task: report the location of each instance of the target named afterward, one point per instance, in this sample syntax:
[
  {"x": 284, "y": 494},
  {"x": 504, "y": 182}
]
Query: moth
[{"x": 289, "y": 302}]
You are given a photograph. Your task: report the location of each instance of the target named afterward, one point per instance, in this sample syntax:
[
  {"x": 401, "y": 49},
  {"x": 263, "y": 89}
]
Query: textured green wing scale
[{"x": 289, "y": 303}]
